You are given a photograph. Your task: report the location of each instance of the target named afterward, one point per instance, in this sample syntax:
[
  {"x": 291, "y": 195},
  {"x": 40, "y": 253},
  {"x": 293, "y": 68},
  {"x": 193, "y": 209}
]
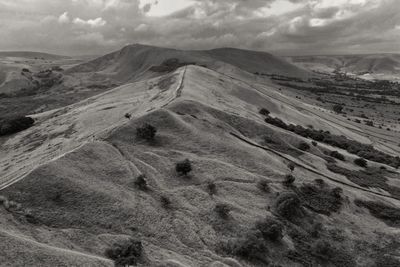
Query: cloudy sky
[{"x": 73, "y": 27}]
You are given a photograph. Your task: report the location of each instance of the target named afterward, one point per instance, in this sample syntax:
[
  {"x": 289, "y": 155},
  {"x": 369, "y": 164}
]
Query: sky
[{"x": 284, "y": 27}]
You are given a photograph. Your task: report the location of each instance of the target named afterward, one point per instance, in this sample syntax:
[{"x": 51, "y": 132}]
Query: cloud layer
[{"x": 282, "y": 26}]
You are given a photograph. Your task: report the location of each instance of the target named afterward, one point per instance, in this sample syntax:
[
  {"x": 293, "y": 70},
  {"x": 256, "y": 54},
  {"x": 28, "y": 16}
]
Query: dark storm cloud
[{"x": 284, "y": 26}]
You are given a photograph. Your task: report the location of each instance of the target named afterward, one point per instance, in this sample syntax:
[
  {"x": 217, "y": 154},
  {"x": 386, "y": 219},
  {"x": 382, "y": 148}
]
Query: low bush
[
  {"x": 270, "y": 229},
  {"x": 15, "y": 124},
  {"x": 141, "y": 182},
  {"x": 211, "y": 188},
  {"x": 390, "y": 215},
  {"x": 128, "y": 115},
  {"x": 291, "y": 166},
  {"x": 337, "y": 155},
  {"x": 289, "y": 206},
  {"x": 264, "y": 112},
  {"x": 321, "y": 199},
  {"x": 146, "y": 132},
  {"x": 251, "y": 247},
  {"x": 387, "y": 261},
  {"x": 263, "y": 185},
  {"x": 304, "y": 146},
  {"x": 360, "y": 162},
  {"x": 223, "y": 210},
  {"x": 328, "y": 252},
  {"x": 165, "y": 202},
  {"x": 338, "y": 108},
  {"x": 183, "y": 167},
  {"x": 314, "y": 143},
  {"x": 127, "y": 253},
  {"x": 289, "y": 180}
]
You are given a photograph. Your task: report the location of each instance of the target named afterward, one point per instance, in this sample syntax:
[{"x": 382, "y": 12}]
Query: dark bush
[
  {"x": 146, "y": 132},
  {"x": 183, "y": 167},
  {"x": 165, "y": 202},
  {"x": 263, "y": 185},
  {"x": 128, "y": 115},
  {"x": 288, "y": 205},
  {"x": 211, "y": 188},
  {"x": 127, "y": 253},
  {"x": 251, "y": 247},
  {"x": 303, "y": 146},
  {"x": 291, "y": 166},
  {"x": 15, "y": 124},
  {"x": 328, "y": 252},
  {"x": 314, "y": 143},
  {"x": 321, "y": 199},
  {"x": 338, "y": 108},
  {"x": 337, "y": 155},
  {"x": 390, "y": 215},
  {"x": 223, "y": 210},
  {"x": 360, "y": 162},
  {"x": 264, "y": 112},
  {"x": 387, "y": 261},
  {"x": 141, "y": 182},
  {"x": 289, "y": 180},
  {"x": 270, "y": 229}
]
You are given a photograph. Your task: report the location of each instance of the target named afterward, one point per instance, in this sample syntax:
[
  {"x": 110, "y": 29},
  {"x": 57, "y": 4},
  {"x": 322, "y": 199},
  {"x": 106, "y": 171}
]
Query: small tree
[
  {"x": 128, "y": 115},
  {"x": 291, "y": 166},
  {"x": 141, "y": 182},
  {"x": 127, "y": 253},
  {"x": 289, "y": 180},
  {"x": 361, "y": 162},
  {"x": 146, "y": 132},
  {"x": 338, "y": 108},
  {"x": 288, "y": 205},
  {"x": 270, "y": 229},
  {"x": 264, "y": 112},
  {"x": 304, "y": 146},
  {"x": 183, "y": 167},
  {"x": 223, "y": 210}
]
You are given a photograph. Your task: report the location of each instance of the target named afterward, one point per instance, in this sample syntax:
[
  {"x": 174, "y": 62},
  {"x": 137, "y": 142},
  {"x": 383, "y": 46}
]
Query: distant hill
[
  {"x": 31, "y": 55},
  {"x": 379, "y": 64},
  {"x": 136, "y": 59}
]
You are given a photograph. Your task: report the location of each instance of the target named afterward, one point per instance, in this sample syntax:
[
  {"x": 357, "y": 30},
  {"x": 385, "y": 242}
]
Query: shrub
[
  {"x": 338, "y": 108},
  {"x": 183, "y": 167},
  {"x": 337, "y": 155},
  {"x": 128, "y": 115},
  {"x": 250, "y": 247},
  {"x": 263, "y": 186},
  {"x": 223, "y": 210},
  {"x": 314, "y": 143},
  {"x": 327, "y": 252},
  {"x": 15, "y": 124},
  {"x": 289, "y": 180},
  {"x": 288, "y": 205},
  {"x": 141, "y": 182},
  {"x": 387, "y": 261},
  {"x": 270, "y": 229},
  {"x": 211, "y": 188},
  {"x": 319, "y": 182},
  {"x": 291, "y": 166},
  {"x": 146, "y": 132},
  {"x": 360, "y": 162},
  {"x": 321, "y": 199},
  {"x": 165, "y": 202},
  {"x": 264, "y": 112},
  {"x": 126, "y": 253},
  {"x": 304, "y": 146}
]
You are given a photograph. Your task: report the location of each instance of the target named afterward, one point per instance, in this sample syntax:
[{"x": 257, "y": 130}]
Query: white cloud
[
  {"x": 64, "y": 18},
  {"x": 142, "y": 28},
  {"x": 98, "y": 22}
]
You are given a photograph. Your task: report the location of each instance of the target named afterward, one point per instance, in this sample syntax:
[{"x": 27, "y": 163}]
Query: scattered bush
[
  {"x": 270, "y": 229},
  {"x": 141, "y": 182},
  {"x": 390, "y": 215},
  {"x": 223, "y": 210},
  {"x": 291, "y": 166},
  {"x": 321, "y": 199},
  {"x": 337, "y": 155},
  {"x": 314, "y": 143},
  {"x": 263, "y": 186},
  {"x": 264, "y": 112},
  {"x": 211, "y": 188},
  {"x": 183, "y": 167},
  {"x": 127, "y": 253},
  {"x": 289, "y": 180},
  {"x": 304, "y": 146},
  {"x": 289, "y": 206},
  {"x": 146, "y": 132},
  {"x": 128, "y": 115},
  {"x": 327, "y": 252},
  {"x": 15, "y": 124},
  {"x": 251, "y": 247},
  {"x": 165, "y": 202},
  {"x": 338, "y": 108},
  {"x": 360, "y": 162}
]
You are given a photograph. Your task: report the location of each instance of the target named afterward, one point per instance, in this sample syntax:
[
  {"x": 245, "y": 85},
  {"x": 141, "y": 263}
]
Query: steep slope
[
  {"x": 134, "y": 60},
  {"x": 79, "y": 165}
]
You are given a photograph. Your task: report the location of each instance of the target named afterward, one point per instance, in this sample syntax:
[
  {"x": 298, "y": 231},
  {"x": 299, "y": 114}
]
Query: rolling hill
[{"x": 257, "y": 194}]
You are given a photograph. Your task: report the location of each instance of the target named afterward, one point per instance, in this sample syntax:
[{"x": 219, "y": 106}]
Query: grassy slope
[{"x": 85, "y": 200}]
